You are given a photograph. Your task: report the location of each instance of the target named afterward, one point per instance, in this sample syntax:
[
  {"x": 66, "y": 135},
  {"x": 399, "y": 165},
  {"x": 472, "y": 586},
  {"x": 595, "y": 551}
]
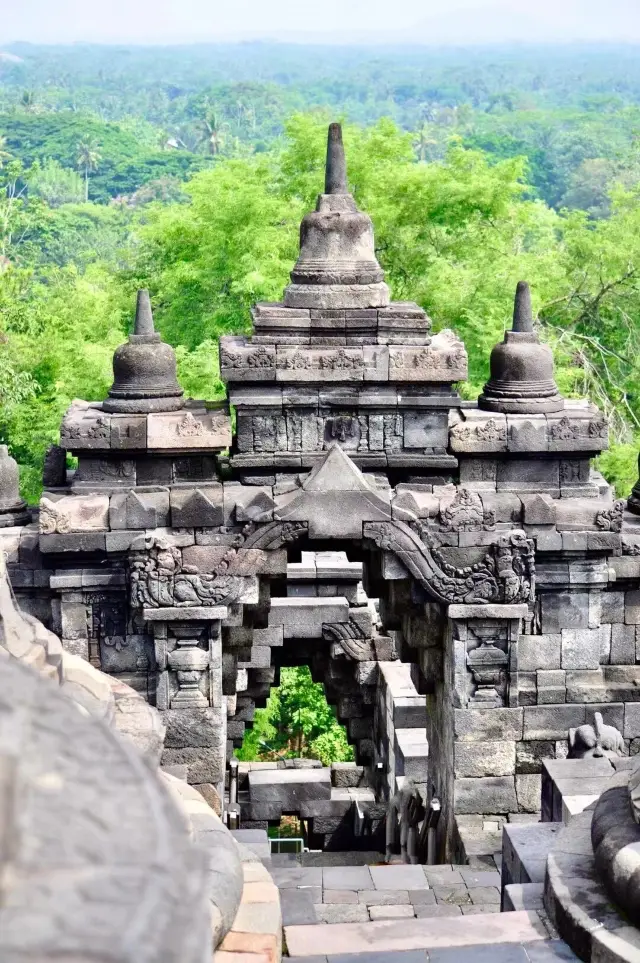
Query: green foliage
[
  {"x": 297, "y": 722},
  {"x": 55, "y": 184}
]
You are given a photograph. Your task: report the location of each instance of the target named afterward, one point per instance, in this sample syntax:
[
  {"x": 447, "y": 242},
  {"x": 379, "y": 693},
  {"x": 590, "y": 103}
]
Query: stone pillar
[
  {"x": 188, "y": 653},
  {"x": 473, "y": 753},
  {"x": 485, "y": 702}
]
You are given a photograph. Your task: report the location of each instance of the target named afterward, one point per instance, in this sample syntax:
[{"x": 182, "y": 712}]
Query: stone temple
[{"x": 457, "y": 574}]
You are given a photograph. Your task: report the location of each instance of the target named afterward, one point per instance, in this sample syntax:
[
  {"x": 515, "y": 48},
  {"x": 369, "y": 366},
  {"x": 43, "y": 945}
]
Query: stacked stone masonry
[{"x": 457, "y": 574}]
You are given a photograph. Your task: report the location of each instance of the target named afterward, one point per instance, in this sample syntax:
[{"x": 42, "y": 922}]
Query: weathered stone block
[
  {"x": 191, "y": 508},
  {"x": 303, "y": 618},
  {"x": 193, "y": 728},
  {"x": 74, "y": 513},
  {"x": 623, "y": 644},
  {"x": 530, "y": 754},
  {"x": 186, "y": 430},
  {"x": 552, "y": 722},
  {"x": 632, "y": 607},
  {"x": 612, "y": 607},
  {"x": 495, "y": 794},
  {"x": 564, "y": 610},
  {"x": 539, "y": 652},
  {"x": 476, "y": 725},
  {"x": 581, "y": 648},
  {"x": 528, "y": 792},
  {"x": 485, "y": 759}
]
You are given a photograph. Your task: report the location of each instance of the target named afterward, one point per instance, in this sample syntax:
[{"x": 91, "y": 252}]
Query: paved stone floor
[
  {"x": 553, "y": 951},
  {"x": 355, "y": 894}
]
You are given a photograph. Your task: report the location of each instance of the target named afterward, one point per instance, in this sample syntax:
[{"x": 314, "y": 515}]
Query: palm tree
[
  {"x": 5, "y": 153},
  {"x": 214, "y": 132},
  {"x": 423, "y": 142},
  {"x": 87, "y": 159}
]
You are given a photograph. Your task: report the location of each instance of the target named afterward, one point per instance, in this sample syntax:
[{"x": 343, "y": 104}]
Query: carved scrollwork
[
  {"x": 610, "y": 519},
  {"x": 505, "y": 574},
  {"x": 466, "y": 513},
  {"x": 159, "y": 579},
  {"x": 352, "y": 640}
]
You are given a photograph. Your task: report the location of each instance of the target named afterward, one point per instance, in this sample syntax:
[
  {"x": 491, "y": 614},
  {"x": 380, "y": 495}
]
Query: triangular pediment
[
  {"x": 335, "y": 499},
  {"x": 337, "y": 473}
]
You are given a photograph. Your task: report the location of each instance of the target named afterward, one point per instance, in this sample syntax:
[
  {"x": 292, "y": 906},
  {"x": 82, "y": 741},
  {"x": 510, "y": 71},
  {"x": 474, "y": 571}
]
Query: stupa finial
[
  {"x": 522, "y": 313},
  {"x": 335, "y": 181},
  {"x": 143, "y": 326}
]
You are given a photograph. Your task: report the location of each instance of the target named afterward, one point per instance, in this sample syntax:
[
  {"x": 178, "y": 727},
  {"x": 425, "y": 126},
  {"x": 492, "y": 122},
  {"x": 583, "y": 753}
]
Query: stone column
[
  {"x": 188, "y": 653},
  {"x": 484, "y": 640}
]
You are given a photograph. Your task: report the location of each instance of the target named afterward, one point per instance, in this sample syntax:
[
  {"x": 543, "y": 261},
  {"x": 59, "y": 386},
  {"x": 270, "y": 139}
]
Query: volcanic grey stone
[
  {"x": 522, "y": 380},
  {"x": 144, "y": 369},
  {"x": 287, "y": 789},
  {"x": 486, "y": 795}
]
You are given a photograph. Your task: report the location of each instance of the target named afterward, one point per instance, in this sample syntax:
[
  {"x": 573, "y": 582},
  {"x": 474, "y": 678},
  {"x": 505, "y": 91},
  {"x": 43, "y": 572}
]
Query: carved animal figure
[{"x": 589, "y": 741}]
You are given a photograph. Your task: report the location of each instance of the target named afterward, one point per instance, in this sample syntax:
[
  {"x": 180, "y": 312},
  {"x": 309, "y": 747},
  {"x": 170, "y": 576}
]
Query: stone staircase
[{"x": 348, "y": 905}]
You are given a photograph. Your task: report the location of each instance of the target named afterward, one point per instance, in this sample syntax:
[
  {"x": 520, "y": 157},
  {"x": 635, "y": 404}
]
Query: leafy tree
[
  {"x": 297, "y": 722},
  {"x": 55, "y": 184}
]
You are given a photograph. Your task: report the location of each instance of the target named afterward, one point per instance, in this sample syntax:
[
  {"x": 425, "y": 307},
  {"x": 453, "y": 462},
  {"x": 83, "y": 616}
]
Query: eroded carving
[
  {"x": 466, "y": 513},
  {"x": 506, "y": 574},
  {"x": 610, "y": 519},
  {"x": 598, "y": 740}
]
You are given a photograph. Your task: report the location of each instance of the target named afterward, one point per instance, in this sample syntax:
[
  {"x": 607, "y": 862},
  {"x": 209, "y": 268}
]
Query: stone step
[
  {"x": 395, "y": 936},
  {"x": 548, "y": 951}
]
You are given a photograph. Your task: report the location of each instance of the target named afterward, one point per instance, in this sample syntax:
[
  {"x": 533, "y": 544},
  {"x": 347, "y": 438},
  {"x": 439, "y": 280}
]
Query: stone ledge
[
  {"x": 488, "y": 611},
  {"x": 578, "y": 904}
]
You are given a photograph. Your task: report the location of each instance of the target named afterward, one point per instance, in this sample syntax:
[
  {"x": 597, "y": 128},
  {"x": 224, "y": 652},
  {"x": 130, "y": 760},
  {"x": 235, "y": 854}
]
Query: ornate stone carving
[
  {"x": 600, "y": 740},
  {"x": 490, "y": 431},
  {"x": 159, "y": 579},
  {"x": 189, "y": 427},
  {"x": 352, "y": 640},
  {"x": 610, "y": 519},
  {"x": 506, "y": 574},
  {"x": 466, "y": 513},
  {"x": 487, "y": 664},
  {"x": 258, "y": 357},
  {"x": 343, "y": 427},
  {"x": 567, "y": 430},
  {"x": 341, "y": 360},
  {"x": 98, "y": 429}
]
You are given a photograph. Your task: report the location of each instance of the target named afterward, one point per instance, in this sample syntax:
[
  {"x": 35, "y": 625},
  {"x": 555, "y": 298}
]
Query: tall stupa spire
[
  {"x": 335, "y": 178},
  {"x": 337, "y": 267},
  {"x": 522, "y": 313}
]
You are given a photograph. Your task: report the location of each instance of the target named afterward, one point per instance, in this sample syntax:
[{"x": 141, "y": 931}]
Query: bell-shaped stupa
[
  {"x": 522, "y": 379},
  {"x": 144, "y": 369},
  {"x": 13, "y": 508},
  {"x": 337, "y": 267}
]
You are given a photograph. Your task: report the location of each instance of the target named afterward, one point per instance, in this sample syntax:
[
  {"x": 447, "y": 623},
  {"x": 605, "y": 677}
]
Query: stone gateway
[{"x": 457, "y": 574}]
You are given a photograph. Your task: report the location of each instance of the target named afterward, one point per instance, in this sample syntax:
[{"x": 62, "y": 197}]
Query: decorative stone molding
[
  {"x": 506, "y": 574},
  {"x": 465, "y": 512},
  {"x": 610, "y": 519}
]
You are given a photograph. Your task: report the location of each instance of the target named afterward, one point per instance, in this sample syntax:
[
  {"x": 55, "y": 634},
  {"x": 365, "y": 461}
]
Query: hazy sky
[{"x": 423, "y": 21}]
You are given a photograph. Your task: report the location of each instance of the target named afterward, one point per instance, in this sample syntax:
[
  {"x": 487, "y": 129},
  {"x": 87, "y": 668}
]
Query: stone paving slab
[
  {"x": 339, "y": 914},
  {"x": 384, "y": 897},
  {"x": 429, "y": 934},
  {"x": 409, "y": 956},
  {"x": 348, "y": 877},
  {"x": 297, "y": 907},
  {"x": 391, "y": 912},
  {"x": 286, "y": 877},
  {"x": 403, "y": 877},
  {"x": 435, "y": 910},
  {"x": 548, "y": 951},
  {"x": 341, "y": 896}
]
